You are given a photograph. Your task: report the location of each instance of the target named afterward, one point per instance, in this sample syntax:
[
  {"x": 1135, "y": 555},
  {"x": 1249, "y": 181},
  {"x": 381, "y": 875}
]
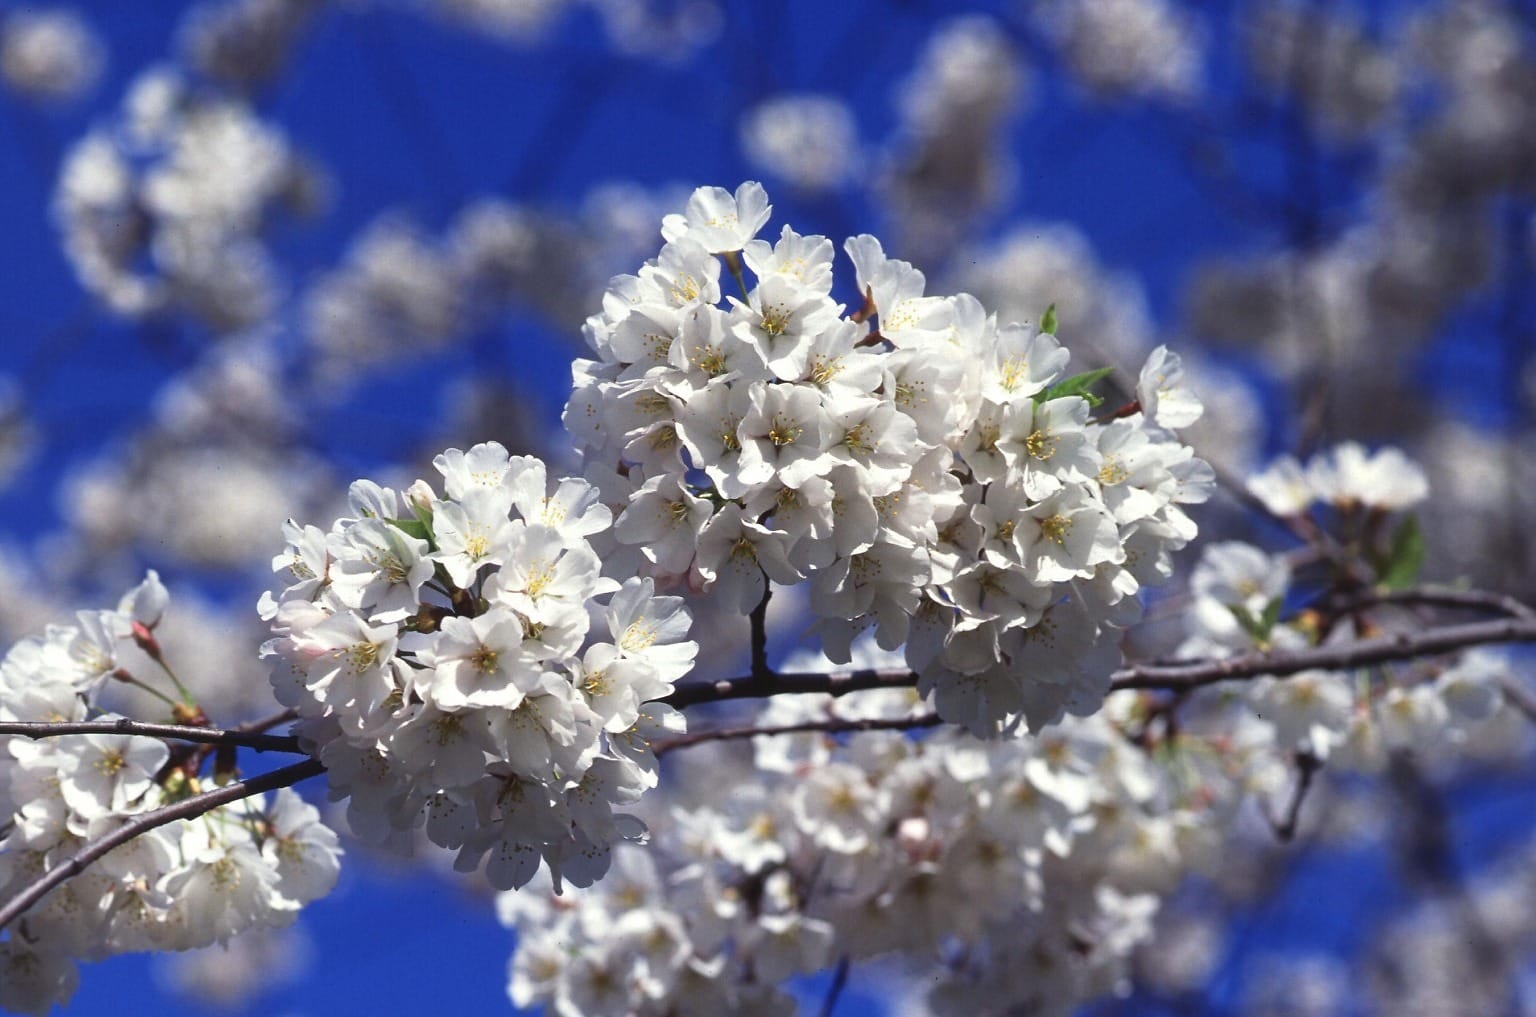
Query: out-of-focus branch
[
  {"x": 1432, "y": 596},
  {"x": 189, "y": 808},
  {"x": 1338, "y": 656},
  {"x": 759, "y": 622},
  {"x": 180, "y": 732},
  {"x": 1307, "y": 766},
  {"x": 832, "y": 725},
  {"x": 269, "y": 722},
  {"x": 1518, "y": 696},
  {"x": 835, "y": 990},
  {"x": 1171, "y": 676}
]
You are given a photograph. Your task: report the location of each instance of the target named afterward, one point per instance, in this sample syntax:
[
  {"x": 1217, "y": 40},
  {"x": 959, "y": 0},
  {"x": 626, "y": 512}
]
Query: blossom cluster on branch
[
  {"x": 179, "y": 886},
  {"x": 930, "y": 474},
  {"x": 442, "y": 653},
  {"x": 1016, "y": 870},
  {"x": 497, "y": 665},
  {"x": 1020, "y": 874}
]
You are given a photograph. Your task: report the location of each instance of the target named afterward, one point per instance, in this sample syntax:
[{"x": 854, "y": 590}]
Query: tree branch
[
  {"x": 1518, "y": 696},
  {"x": 760, "y": 633},
  {"x": 1340, "y": 656},
  {"x": 1175, "y": 676},
  {"x": 269, "y": 722},
  {"x": 1307, "y": 766},
  {"x": 188, "y": 808},
  {"x": 835, "y": 990},
  {"x": 181, "y": 732},
  {"x": 1432, "y": 596},
  {"x": 832, "y": 725}
]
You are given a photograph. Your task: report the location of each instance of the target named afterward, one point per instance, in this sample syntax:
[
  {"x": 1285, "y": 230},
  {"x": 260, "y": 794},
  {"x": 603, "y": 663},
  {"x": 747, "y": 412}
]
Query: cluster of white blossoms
[
  {"x": 1037, "y": 264},
  {"x": 1244, "y": 602},
  {"x": 464, "y": 662},
  {"x": 1238, "y": 591},
  {"x": 1346, "y": 81},
  {"x": 949, "y": 165},
  {"x": 163, "y": 207},
  {"x": 1142, "y": 48},
  {"x": 401, "y": 291},
  {"x": 207, "y": 480},
  {"x": 930, "y": 474},
  {"x": 1016, "y": 874},
  {"x": 181, "y": 886},
  {"x": 810, "y": 141},
  {"x": 1345, "y": 477},
  {"x": 666, "y": 30}
]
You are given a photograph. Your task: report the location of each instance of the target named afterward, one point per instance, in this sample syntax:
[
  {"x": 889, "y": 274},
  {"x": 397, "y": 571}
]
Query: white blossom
[{"x": 477, "y": 701}]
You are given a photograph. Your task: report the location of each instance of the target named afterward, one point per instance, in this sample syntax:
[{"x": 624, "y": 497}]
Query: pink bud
[{"x": 146, "y": 640}]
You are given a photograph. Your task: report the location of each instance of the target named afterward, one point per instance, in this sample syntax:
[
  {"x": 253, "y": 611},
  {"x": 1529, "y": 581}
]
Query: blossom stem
[
  {"x": 269, "y": 722},
  {"x": 180, "y": 732},
  {"x": 732, "y": 261},
  {"x": 1129, "y": 409},
  {"x": 131, "y": 680},
  {"x": 188, "y": 808},
  {"x": 181, "y": 690},
  {"x": 1302, "y": 527}
]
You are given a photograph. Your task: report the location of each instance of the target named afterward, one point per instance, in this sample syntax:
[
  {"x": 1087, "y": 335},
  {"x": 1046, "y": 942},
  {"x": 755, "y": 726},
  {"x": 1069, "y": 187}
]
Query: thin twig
[
  {"x": 180, "y": 732},
  {"x": 1234, "y": 488},
  {"x": 832, "y": 725},
  {"x": 268, "y": 723},
  {"x": 835, "y": 990},
  {"x": 1518, "y": 696},
  {"x": 1174, "y": 676},
  {"x": 1307, "y": 766},
  {"x": 1432, "y": 596},
  {"x": 188, "y": 808}
]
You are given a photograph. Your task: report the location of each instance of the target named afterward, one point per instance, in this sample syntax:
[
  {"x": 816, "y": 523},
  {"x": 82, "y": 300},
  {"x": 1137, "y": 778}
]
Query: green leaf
[
  {"x": 1406, "y": 557},
  {"x": 1077, "y": 385},
  {"x": 1251, "y": 625},
  {"x": 1048, "y": 320},
  {"x": 1260, "y": 628},
  {"x": 1271, "y": 617},
  {"x": 412, "y": 528}
]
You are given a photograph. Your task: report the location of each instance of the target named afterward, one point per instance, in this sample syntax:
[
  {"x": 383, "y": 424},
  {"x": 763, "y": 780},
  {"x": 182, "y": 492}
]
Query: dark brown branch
[
  {"x": 1432, "y": 596},
  {"x": 1340, "y": 656},
  {"x": 1175, "y": 676},
  {"x": 832, "y": 725},
  {"x": 835, "y": 990},
  {"x": 1302, "y": 527},
  {"x": 1518, "y": 696},
  {"x": 188, "y": 808},
  {"x": 268, "y": 723},
  {"x": 790, "y": 683},
  {"x": 1307, "y": 766},
  {"x": 760, "y": 633},
  {"x": 180, "y": 732}
]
